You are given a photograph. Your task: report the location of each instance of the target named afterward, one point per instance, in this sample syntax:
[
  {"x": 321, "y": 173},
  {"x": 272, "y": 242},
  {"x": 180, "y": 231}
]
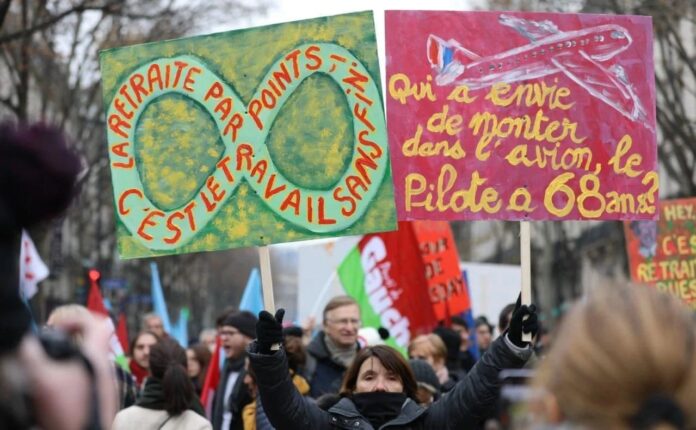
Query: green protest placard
[{"x": 249, "y": 137}]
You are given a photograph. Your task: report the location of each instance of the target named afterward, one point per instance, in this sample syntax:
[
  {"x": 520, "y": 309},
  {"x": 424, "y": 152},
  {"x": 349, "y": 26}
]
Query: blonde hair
[
  {"x": 437, "y": 346},
  {"x": 614, "y": 350},
  {"x": 66, "y": 313}
]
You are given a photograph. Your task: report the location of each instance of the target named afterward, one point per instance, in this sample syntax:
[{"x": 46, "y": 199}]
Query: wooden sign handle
[
  {"x": 525, "y": 261},
  {"x": 266, "y": 279},
  {"x": 267, "y": 284}
]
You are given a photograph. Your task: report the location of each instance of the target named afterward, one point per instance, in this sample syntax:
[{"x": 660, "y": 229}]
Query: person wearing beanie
[
  {"x": 428, "y": 384},
  {"x": 38, "y": 179},
  {"x": 452, "y": 341},
  {"x": 237, "y": 331},
  {"x": 39, "y": 176}
]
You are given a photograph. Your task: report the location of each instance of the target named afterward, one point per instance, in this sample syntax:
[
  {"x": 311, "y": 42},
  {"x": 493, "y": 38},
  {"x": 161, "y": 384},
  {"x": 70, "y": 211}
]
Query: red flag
[
  {"x": 122, "y": 332},
  {"x": 386, "y": 276},
  {"x": 95, "y": 301},
  {"x": 447, "y": 288},
  {"x": 212, "y": 379}
]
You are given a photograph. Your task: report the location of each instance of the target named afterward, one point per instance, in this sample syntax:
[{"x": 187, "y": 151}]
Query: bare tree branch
[
  {"x": 4, "y": 8},
  {"x": 82, "y": 7}
]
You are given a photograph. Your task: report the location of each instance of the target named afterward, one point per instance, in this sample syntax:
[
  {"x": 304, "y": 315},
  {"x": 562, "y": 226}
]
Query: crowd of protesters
[
  {"x": 322, "y": 374},
  {"x": 273, "y": 378}
]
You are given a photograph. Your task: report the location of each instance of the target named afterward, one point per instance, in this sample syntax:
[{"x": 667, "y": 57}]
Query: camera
[
  {"x": 515, "y": 397},
  {"x": 58, "y": 345}
]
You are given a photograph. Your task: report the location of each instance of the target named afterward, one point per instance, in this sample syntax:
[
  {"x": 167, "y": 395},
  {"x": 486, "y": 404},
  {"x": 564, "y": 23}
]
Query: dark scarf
[
  {"x": 378, "y": 407},
  {"x": 152, "y": 397}
]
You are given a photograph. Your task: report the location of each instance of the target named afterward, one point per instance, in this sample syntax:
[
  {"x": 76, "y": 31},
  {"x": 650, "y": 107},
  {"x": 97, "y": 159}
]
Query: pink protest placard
[{"x": 498, "y": 115}]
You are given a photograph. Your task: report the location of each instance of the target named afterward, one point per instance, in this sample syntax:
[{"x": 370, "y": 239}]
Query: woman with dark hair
[
  {"x": 379, "y": 388},
  {"x": 198, "y": 358},
  {"x": 168, "y": 400}
]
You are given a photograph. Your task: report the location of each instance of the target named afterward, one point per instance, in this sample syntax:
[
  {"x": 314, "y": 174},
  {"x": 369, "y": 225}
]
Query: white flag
[{"x": 32, "y": 269}]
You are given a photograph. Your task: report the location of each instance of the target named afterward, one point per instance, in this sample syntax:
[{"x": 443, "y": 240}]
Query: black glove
[
  {"x": 518, "y": 324},
  {"x": 269, "y": 331}
]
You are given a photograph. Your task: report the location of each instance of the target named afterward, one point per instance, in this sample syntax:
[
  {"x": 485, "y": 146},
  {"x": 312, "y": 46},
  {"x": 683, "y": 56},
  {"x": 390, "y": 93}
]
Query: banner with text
[
  {"x": 521, "y": 115},
  {"x": 386, "y": 275},
  {"x": 447, "y": 288},
  {"x": 249, "y": 137},
  {"x": 663, "y": 253}
]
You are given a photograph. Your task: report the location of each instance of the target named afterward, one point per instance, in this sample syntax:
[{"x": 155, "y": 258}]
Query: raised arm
[
  {"x": 474, "y": 397},
  {"x": 285, "y": 407}
]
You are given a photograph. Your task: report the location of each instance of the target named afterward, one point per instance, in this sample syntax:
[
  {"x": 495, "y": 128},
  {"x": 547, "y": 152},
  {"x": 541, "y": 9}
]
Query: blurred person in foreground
[
  {"x": 168, "y": 400},
  {"x": 624, "y": 358},
  {"x": 46, "y": 382},
  {"x": 379, "y": 388},
  {"x": 127, "y": 390}
]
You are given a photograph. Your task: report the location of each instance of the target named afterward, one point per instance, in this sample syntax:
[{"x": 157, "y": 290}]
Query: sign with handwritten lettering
[
  {"x": 248, "y": 137},
  {"x": 521, "y": 116},
  {"x": 663, "y": 253}
]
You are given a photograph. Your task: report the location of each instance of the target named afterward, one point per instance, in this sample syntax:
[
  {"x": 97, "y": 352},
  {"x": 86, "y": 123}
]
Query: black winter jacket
[
  {"x": 462, "y": 408},
  {"x": 238, "y": 398}
]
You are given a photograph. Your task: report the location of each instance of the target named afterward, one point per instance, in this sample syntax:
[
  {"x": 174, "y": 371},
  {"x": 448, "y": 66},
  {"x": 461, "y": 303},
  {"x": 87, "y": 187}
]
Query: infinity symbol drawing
[{"x": 244, "y": 130}]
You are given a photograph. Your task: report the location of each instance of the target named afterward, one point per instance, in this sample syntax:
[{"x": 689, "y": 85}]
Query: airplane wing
[
  {"x": 610, "y": 85},
  {"x": 532, "y": 30}
]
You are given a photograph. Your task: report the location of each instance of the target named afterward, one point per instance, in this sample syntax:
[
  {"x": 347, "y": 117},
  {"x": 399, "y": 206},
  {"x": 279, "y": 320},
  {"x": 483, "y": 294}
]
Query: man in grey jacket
[{"x": 333, "y": 349}]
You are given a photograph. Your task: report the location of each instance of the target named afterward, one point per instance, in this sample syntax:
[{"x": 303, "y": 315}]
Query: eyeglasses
[{"x": 345, "y": 321}]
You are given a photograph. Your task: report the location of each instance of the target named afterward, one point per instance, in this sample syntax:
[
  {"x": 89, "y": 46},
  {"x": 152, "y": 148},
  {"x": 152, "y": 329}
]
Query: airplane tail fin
[
  {"x": 442, "y": 53},
  {"x": 448, "y": 58}
]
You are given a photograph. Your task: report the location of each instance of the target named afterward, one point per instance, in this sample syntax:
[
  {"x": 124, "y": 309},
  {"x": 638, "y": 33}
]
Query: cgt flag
[{"x": 386, "y": 275}]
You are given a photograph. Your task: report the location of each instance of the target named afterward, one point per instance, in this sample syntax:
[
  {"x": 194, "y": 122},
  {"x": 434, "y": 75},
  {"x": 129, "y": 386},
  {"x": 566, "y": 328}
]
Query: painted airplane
[{"x": 577, "y": 54}]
